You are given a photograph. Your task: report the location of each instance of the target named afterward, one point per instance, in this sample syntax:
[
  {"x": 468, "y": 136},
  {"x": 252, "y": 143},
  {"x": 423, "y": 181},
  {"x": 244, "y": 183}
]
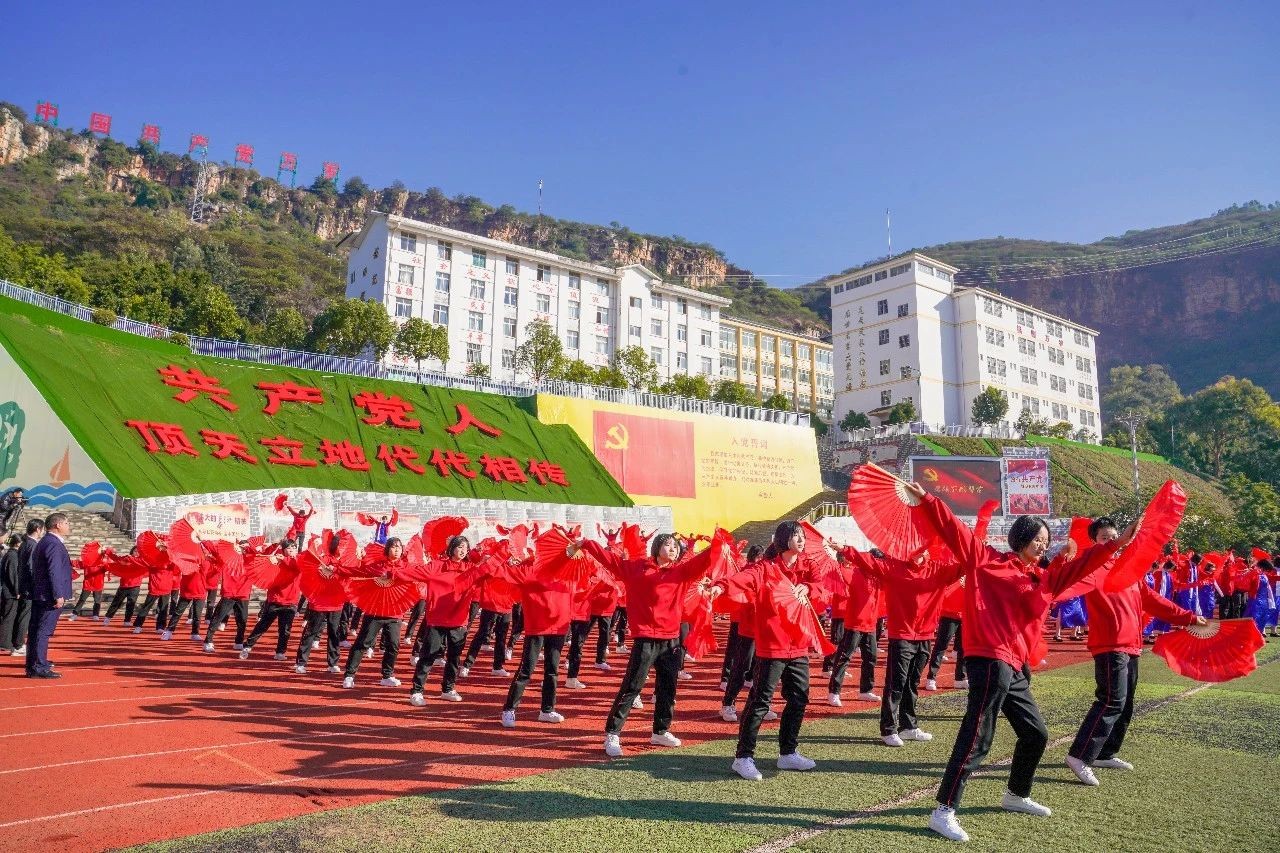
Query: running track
[{"x": 143, "y": 740}]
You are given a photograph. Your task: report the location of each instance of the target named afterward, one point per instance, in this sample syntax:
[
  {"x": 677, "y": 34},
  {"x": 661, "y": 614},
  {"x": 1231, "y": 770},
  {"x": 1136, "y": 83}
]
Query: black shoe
[{"x": 50, "y": 674}]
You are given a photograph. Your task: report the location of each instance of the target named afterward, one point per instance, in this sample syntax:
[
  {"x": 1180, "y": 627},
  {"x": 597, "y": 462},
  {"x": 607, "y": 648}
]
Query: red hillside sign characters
[
  {"x": 288, "y": 163},
  {"x": 199, "y": 144},
  {"x": 100, "y": 123},
  {"x": 329, "y": 171},
  {"x": 150, "y": 133},
  {"x": 47, "y": 113},
  {"x": 244, "y": 155}
]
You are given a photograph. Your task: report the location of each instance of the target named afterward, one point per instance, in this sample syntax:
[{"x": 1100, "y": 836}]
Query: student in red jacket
[
  {"x": 385, "y": 624},
  {"x": 237, "y": 586},
  {"x": 282, "y": 601},
  {"x": 160, "y": 585},
  {"x": 1115, "y": 641},
  {"x": 324, "y": 613},
  {"x": 1006, "y": 598},
  {"x": 582, "y": 622},
  {"x": 546, "y": 602},
  {"x": 191, "y": 594},
  {"x": 448, "y": 612},
  {"x": 126, "y": 594},
  {"x": 95, "y": 577},
  {"x": 497, "y": 598},
  {"x": 604, "y": 597},
  {"x": 949, "y": 630},
  {"x": 655, "y": 589},
  {"x": 862, "y": 609}
]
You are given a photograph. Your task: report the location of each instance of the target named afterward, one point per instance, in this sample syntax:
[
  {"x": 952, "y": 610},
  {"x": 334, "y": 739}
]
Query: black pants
[
  {"x": 350, "y": 620},
  {"x": 995, "y": 688},
  {"x": 370, "y": 628},
  {"x": 500, "y": 624},
  {"x": 794, "y": 676},
  {"x": 196, "y": 605},
  {"x": 907, "y": 659},
  {"x": 618, "y": 625},
  {"x": 646, "y": 654},
  {"x": 550, "y": 646},
  {"x": 601, "y": 625},
  {"x": 730, "y": 645},
  {"x": 317, "y": 623},
  {"x": 126, "y": 596},
  {"x": 160, "y": 603},
  {"x": 281, "y": 614},
  {"x": 84, "y": 596},
  {"x": 210, "y": 604},
  {"x": 517, "y": 626},
  {"x": 15, "y": 613},
  {"x": 865, "y": 643},
  {"x": 744, "y": 661},
  {"x": 948, "y": 629},
  {"x": 44, "y": 621},
  {"x": 415, "y": 616},
  {"x": 579, "y": 630},
  {"x": 837, "y": 634},
  {"x": 1102, "y": 733},
  {"x": 237, "y": 607},
  {"x": 440, "y": 641}
]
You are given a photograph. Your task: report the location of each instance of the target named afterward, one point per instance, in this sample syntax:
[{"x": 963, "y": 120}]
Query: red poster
[
  {"x": 962, "y": 484},
  {"x": 647, "y": 456}
]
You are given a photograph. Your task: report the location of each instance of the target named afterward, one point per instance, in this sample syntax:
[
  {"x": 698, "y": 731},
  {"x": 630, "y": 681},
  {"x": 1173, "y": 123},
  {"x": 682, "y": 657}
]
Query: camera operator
[{"x": 11, "y": 506}]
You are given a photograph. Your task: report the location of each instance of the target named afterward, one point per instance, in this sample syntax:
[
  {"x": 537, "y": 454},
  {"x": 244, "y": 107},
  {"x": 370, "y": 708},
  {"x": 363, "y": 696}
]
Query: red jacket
[
  {"x": 776, "y": 634},
  {"x": 497, "y": 595},
  {"x": 192, "y": 586},
  {"x": 546, "y": 602},
  {"x": 914, "y": 593},
  {"x": 953, "y": 601},
  {"x": 288, "y": 585},
  {"x": 604, "y": 593},
  {"x": 447, "y": 606},
  {"x": 1116, "y": 618},
  {"x": 1005, "y": 599},
  {"x": 654, "y": 595},
  {"x": 162, "y": 581},
  {"x": 863, "y": 609}
]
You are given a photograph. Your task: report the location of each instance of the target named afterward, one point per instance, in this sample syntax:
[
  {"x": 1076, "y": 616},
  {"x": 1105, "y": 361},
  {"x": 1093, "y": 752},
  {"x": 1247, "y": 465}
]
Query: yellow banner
[{"x": 709, "y": 470}]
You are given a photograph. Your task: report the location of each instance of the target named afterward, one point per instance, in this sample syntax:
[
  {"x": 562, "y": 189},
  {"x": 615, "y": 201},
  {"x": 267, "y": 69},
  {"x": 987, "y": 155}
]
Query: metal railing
[
  {"x": 826, "y": 509},
  {"x": 865, "y": 436},
  {"x": 370, "y": 369}
]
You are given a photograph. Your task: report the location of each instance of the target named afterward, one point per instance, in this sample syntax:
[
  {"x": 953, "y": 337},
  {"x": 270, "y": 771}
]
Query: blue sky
[{"x": 777, "y": 132}]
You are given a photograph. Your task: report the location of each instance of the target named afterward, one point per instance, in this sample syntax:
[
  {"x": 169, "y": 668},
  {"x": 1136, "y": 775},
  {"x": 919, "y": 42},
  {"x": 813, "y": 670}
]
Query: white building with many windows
[
  {"x": 902, "y": 330},
  {"x": 487, "y": 291}
]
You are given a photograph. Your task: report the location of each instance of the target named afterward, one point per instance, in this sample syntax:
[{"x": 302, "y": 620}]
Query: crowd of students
[{"x": 531, "y": 593}]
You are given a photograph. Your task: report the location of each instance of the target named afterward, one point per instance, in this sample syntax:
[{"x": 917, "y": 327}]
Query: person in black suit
[
  {"x": 17, "y": 618},
  {"x": 50, "y": 589},
  {"x": 9, "y": 600}
]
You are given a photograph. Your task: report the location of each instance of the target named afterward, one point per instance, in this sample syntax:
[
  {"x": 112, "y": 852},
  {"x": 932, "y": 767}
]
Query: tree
[
  {"x": 324, "y": 188},
  {"x": 354, "y": 189},
  {"x": 680, "y": 385},
  {"x": 1061, "y": 429},
  {"x": 608, "y": 376},
  {"x": 286, "y": 328},
  {"x": 820, "y": 426},
  {"x": 1257, "y": 509},
  {"x": 542, "y": 353},
  {"x": 990, "y": 406},
  {"x": 376, "y": 327},
  {"x": 1149, "y": 391},
  {"x": 418, "y": 340},
  {"x": 348, "y": 326},
  {"x": 478, "y": 369},
  {"x": 902, "y": 413},
  {"x": 854, "y": 420},
  {"x": 211, "y": 314},
  {"x": 777, "y": 401},
  {"x": 729, "y": 391},
  {"x": 579, "y": 371},
  {"x": 1029, "y": 424},
  {"x": 637, "y": 367},
  {"x": 1232, "y": 416}
]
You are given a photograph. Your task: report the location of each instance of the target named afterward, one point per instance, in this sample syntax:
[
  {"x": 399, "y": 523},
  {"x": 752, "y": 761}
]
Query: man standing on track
[{"x": 51, "y": 587}]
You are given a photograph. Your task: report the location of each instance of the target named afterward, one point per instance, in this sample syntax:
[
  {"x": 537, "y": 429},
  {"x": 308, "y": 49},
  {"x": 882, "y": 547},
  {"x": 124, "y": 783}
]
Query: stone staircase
[
  {"x": 760, "y": 532},
  {"x": 86, "y": 527}
]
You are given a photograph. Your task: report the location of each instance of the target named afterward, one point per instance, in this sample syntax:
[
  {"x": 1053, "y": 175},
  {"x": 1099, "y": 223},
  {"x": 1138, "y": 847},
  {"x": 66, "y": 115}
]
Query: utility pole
[{"x": 1133, "y": 420}]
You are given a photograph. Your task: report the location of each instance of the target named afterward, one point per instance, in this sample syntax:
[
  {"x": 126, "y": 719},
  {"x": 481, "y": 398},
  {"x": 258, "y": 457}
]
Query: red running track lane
[{"x": 143, "y": 740}]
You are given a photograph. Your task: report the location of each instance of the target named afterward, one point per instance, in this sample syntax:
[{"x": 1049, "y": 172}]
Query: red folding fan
[
  {"x": 127, "y": 568},
  {"x": 91, "y": 555},
  {"x": 280, "y": 501},
  {"x": 799, "y": 619},
  {"x": 881, "y": 505},
  {"x": 1156, "y": 527},
  {"x": 551, "y": 560},
  {"x": 437, "y": 532},
  {"x": 383, "y": 597},
  {"x": 518, "y": 539},
  {"x": 983, "y": 522},
  {"x": 1259, "y": 554},
  {"x": 634, "y": 542},
  {"x": 151, "y": 549},
  {"x": 320, "y": 581},
  {"x": 1079, "y": 533},
  {"x": 697, "y": 612},
  {"x": 1219, "y": 651},
  {"x": 184, "y": 551}
]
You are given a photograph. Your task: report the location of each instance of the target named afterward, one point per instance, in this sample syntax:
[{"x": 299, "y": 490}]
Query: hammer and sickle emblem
[
  {"x": 616, "y": 438},
  {"x": 931, "y": 475}
]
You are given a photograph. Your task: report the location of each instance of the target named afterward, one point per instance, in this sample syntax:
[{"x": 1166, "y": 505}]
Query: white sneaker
[
  {"x": 345, "y": 644},
  {"x": 550, "y": 717},
  {"x": 244, "y": 654},
  {"x": 506, "y": 654},
  {"x": 417, "y": 700},
  {"x": 637, "y": 704},
  {"x": 1113, "y": 763},
  {"x": 868, "y": 696},
  {"x": 451, "y": 696},
  {"x": 1082, "y": 771},
  {"x": 390, "y": 682},
  {"x": 724, "y": 685},
  {"x": 72, "y": 618},
  {"x": 688, "y": 658},
  {"x": 962, "y": 684},
  {"x": 612, "y": 746},
  {"x": 574, "y": 684},
  {"x": 915, "y": 734},
  {"x": 508, "y": 719},
  {"x": 1011, "y": 802},
  {"x": 770, "y": 715},
  {"x": 943, "y": 821},
  {"x": 499, "y": 673},
  {"x": 746, "y": 768},
  {"x": 833, "y": 699},
  {"x": 138, "y": 630},
  {"x": 195, "y": 638},
  {"x": 746, "y": 685},
  {"x": 413, "y": 660},
  {"x": 665, "y": 739},
  {"x": 300, "y": 669},
  {"x": 685, "y": 675},
  {"x": 19, "y": 651},
  {"x": 237, "y": 646},
  {"x": 349, "y": 682},
  {"x": 729, "y": 714},
  {"x": 930, "y": 684},
  {"x": 892, "y": 740},
  {"x": 222, "y": 627},
  {"x": 795, "y": 761},
  {"x": 315, "y": 644},
  {"x": 464, "y": 672},
  {"x": 166, "y": 635},
  {"x": 208, "y": 647},
  {"x": 335, "y": 669},
  {"x": 106, "y": 620},
  {"x": 603, "y": 666},
  {"x": 279, "y": 656},
  {"x": 622, "y": 648}
]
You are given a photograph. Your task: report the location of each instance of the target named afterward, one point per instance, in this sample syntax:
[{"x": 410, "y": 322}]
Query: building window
[
  {"x": 634, "y": 331},
  {"x": 404, "y": 307},
  {"x": 905, "y": 371},
  {"x": 602, "y": 287},
  {"x": 704, "y": 312},
  {"x": 995, "y": 337},
  {"x": 442, "y": 283},
  {"x": 509, "y": 359},
  {"x": 748, "y": 364},
  {"x": 575, "y": 310},
  {"x": 444, "y": 251},
  {"x": 1056, "y": 356},
  {"x": 704, "y": 338},
  {"x": 473, "y": 354},
  {"x": 510, "y": 297},
  {"x": 682, "y": 333},
  {"x": 882, "y": 307},
  {"x": 804, "y": 351},
  {"x": 1080, "y": 337},
  {"x": 509, "y": 326},
  {"x": 886, "y": 397},
  {"x": 636, "y": 302},
  {"x": 728, "y": 340},
  {"x": 440, "y": 314},
  {"x": 1057, "y": 383},
  {"x": 728, "y": 365},
  {"x": 749, "y": 340},
  {"x": 571, "y": 339},
  {"x": 655, "y": 301},
  {"x": 840, "y": 288},
  {"x": 823, "y": 357},
  {"x": 996, "y": 367},
  {"x": 899, "y": 269},
  {"x": 513, "y": 266},
  {"x": 655, "y": 326},
  {"x": 602, "y": 346},
  {"x": 881, "y": 275},
  {"x": 788, "y": 372},
  {"x": 1059, "y": 411},
  {"x": 1052, "y": 329},
  {"x": 475, "y": 321},
  {"x": 884, "y": 367},
  {"x": 788, "y": 349},
  {"x": 804, "y": 374},
  {"x": 477, "y": 288},
  {"x": 1031, "y": 404},
  {"x": 705, "y": 363},
  {"x": 544, "y": 273},
  {"x": 543, "y": 303},
  {"x": 479, "y": 259},
  {"x": 1085, "y": 391},
  {"x": 408, "y": 243},
  {"x": 902, "y": 310},
  {"x": 404, "y": 274},
  {"x": 883, "y": 337},
  {"x": 682, "y": 306},
  {"x": 1028, "y": 347},
  {"x": 769, "y": 370},
  {"x": 656, "y": 354},
  {"x": 904, "y": 341},
  {"x": 1084, "y": 365},
  {"x": 992, "y": 307},
  {"x": 682, "y": 361},
  {"x": 1030, "y": 376},
  {"x": 602, "y": 316},
  {"x": 1026, "y": 318}
]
